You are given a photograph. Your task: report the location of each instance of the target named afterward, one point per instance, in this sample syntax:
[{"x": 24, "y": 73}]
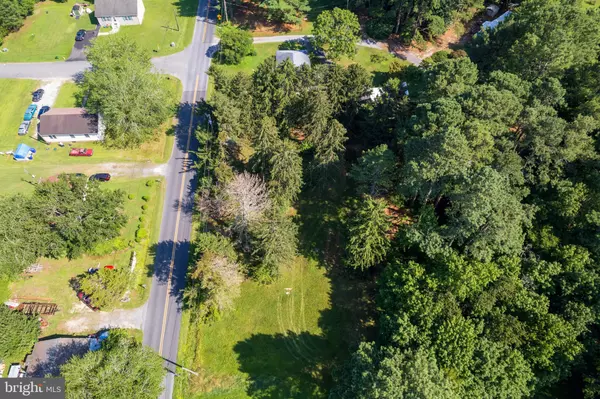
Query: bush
[
  {"x": 144, "y": 207},
  {"x": 378, "y": 58},
  {"x": 146, "y": 198},
  {"x": 235, "y": 44},
  {"x": 150, "y": 183},
  {"x": 18, "y": 331},
  {"x": 106, "y": 287},
  {"x": 435, "y": 26},
  {"x": 141, "y": 234},
  {"x": 109, "y": 246},
  {"x": 142, "y": 218},
  {"x": 292, "y": 45},
  {"x": 396, "y": 67},
  {"x": 380, "y": 28},
  {"x": 131, "y": 196}
]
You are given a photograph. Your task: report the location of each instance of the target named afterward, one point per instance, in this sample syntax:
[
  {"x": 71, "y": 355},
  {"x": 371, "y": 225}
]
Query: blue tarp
[
  {"x": 23, "y": 153},
  {"x": 96, "y": 342}
]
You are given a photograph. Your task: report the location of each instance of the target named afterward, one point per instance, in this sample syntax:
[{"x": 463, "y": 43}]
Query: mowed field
[{"x": 278, "y": 342}]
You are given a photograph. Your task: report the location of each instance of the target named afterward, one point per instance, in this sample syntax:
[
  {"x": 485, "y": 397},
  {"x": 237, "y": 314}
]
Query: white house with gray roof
[
  {"x": 298, "y": 58},
  {"x": 119, "y": 12}
]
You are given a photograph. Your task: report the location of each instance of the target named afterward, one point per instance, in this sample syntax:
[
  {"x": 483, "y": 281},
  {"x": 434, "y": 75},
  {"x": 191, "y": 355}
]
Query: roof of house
[
  {"x": 115, "y": 8},
  {"x": 48, "y": 355},
  {"x": 491, "y": 25},
  {"x": 297, "y": 58},
  {"x": 68, "y": 121}
]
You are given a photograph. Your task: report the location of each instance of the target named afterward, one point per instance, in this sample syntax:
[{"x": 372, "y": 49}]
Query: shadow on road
[{"x": 163, "y": 267}]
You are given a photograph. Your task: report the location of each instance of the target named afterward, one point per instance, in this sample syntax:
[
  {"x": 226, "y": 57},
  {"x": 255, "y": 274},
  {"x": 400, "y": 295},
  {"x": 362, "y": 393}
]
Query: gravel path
[{"x": 95, "y": 321}]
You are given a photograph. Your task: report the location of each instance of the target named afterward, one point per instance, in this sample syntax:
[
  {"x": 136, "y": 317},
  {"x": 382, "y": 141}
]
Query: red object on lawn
[
  {"x": 109, "y": 267},
  {"x": 81, "y": 152}
]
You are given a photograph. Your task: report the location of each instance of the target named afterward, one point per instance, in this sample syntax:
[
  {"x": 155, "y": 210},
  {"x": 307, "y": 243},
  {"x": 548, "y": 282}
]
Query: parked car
[
  {"x": 81, "y": 152},
  {"x": 37, "y": 95},
  {"x": 30, "y": 112},
  {"x": 43, "y": 110},
  {"x": 24, "y": 128},
  {"x": 100, "y": 176},
  {"x": 80, "y": 35},
  {"x": 87, "y": 300}
]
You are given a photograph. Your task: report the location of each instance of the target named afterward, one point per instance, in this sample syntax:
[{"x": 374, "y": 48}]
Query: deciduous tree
[{"x": 338, "y": 31}]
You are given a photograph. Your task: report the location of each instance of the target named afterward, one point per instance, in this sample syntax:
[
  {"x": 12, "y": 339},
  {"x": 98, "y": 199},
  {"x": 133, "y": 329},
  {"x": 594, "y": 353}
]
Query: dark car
[
  {"x": 87, "y": 300},
  {"x": 43, "y": 110},
  {"x": 80, "y": 35},
  {"x": 37, "y": 95},
  {"x": 101, "y": 176}
]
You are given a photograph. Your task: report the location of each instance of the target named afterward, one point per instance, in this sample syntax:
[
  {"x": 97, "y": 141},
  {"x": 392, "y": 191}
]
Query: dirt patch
[
  {"x": 251, "y": 16},
  {"x": 95, "y": 321}
]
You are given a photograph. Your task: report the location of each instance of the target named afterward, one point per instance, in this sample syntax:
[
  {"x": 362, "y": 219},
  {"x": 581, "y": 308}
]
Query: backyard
[
  {"x": 47, "y": 35},
  {"x": 51, "y": 284}
]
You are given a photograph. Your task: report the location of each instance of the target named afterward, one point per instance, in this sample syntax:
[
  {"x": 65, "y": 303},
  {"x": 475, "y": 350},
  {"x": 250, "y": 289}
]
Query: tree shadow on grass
[{"x": 283, "y": 365}]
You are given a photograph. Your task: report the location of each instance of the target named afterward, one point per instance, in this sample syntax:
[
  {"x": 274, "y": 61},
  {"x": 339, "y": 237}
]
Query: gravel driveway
[{"x": 95, "y": 321}]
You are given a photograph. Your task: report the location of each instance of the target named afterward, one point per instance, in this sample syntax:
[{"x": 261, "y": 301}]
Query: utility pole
[{"x": 225, "y": 10}]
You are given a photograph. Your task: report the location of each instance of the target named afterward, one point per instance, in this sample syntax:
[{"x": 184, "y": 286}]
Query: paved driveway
[{"x": 78, "y": 51}]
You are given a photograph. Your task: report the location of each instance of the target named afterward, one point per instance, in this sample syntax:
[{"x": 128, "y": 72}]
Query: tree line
[{"x": 13, "y": 14}]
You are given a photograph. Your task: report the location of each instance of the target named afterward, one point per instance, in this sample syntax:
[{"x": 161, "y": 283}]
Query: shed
[
  {"x": 491, "y": 25},
  {"x": 298, "y": 58},
  {"x": 492, "y": 10},
  {"x": 70, "y": 124},
  {"x": 23, "y": 153},
  {"x": 14, "y": 371},
  {"x": 49, "y": 354}
]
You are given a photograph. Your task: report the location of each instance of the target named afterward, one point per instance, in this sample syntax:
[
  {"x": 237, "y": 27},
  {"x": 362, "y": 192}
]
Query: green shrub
[
  {"x": 146, "y": 198},
  {"x": 396, "y": 67},
  {"x": 131, "y": 196},
  {"x": 235, "y": 44},
  {"x": 378, "y": 58},
  {"x": 216, "y": 243},
  {"x": 141, "y": 234},
  {"x": 291, "y": 45},
  {"x": 144, "y": 207},
  {"x": 150, "y": 183},
  {"x": 435, "y": 26},
  {"x": 142, "y": 218},
  {"x": 107, "y": 247}
]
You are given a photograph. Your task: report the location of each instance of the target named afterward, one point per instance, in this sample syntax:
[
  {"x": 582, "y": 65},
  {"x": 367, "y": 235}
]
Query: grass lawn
[
  {"x": 52, "y": 283},
  {"x": 165, "y": 21},
  {"x": 52, "y": 159},
  {"x": 271, "y": 345},
  {"x": 47, "y": 35},
  {"x": 68, "y": 96}
]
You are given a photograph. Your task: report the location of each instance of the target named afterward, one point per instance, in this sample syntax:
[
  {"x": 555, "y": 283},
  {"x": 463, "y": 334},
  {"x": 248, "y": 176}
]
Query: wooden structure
[{"x": 31, "y": 308}]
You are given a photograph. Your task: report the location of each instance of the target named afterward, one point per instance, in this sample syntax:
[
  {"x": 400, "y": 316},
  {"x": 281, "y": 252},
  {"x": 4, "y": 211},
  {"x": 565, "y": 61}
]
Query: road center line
[{"x": 178, "y": 218}]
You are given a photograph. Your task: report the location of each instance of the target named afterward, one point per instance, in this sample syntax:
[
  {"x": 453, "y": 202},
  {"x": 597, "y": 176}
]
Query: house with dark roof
[
  {"x": 119, "y": 12},
  {"x": 70, "y": 125}
]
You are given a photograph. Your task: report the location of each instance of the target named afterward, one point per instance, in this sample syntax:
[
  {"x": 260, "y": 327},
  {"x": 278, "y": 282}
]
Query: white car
[{"x": 24, "y": 128}]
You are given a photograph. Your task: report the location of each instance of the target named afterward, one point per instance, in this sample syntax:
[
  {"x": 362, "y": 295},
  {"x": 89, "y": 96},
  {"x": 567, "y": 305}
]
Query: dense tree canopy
[
  {"x": 339, "y": 31},
  {"x": 65, "y": 217},
  {"x": 19, "y": 332},
  {"x": 12, "y": 15},
  {"x": 234, "y": 44},
  {"x": 121, "y": 86},
  {"x": 121, "y": 369}
]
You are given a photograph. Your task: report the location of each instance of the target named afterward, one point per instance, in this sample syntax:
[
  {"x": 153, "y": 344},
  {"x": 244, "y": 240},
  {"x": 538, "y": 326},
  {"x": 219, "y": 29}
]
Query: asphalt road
[{"x": 163, "y": 317}]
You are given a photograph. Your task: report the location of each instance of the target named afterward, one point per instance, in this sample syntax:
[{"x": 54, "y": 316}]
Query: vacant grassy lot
[
  {"x": 273, "y": 344},
  {"x": 47, "y": 35},
  {"x": 165, "y": 21},
  {"x": 52, "y": 159},
  {"x": 52, "y": 283}
]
